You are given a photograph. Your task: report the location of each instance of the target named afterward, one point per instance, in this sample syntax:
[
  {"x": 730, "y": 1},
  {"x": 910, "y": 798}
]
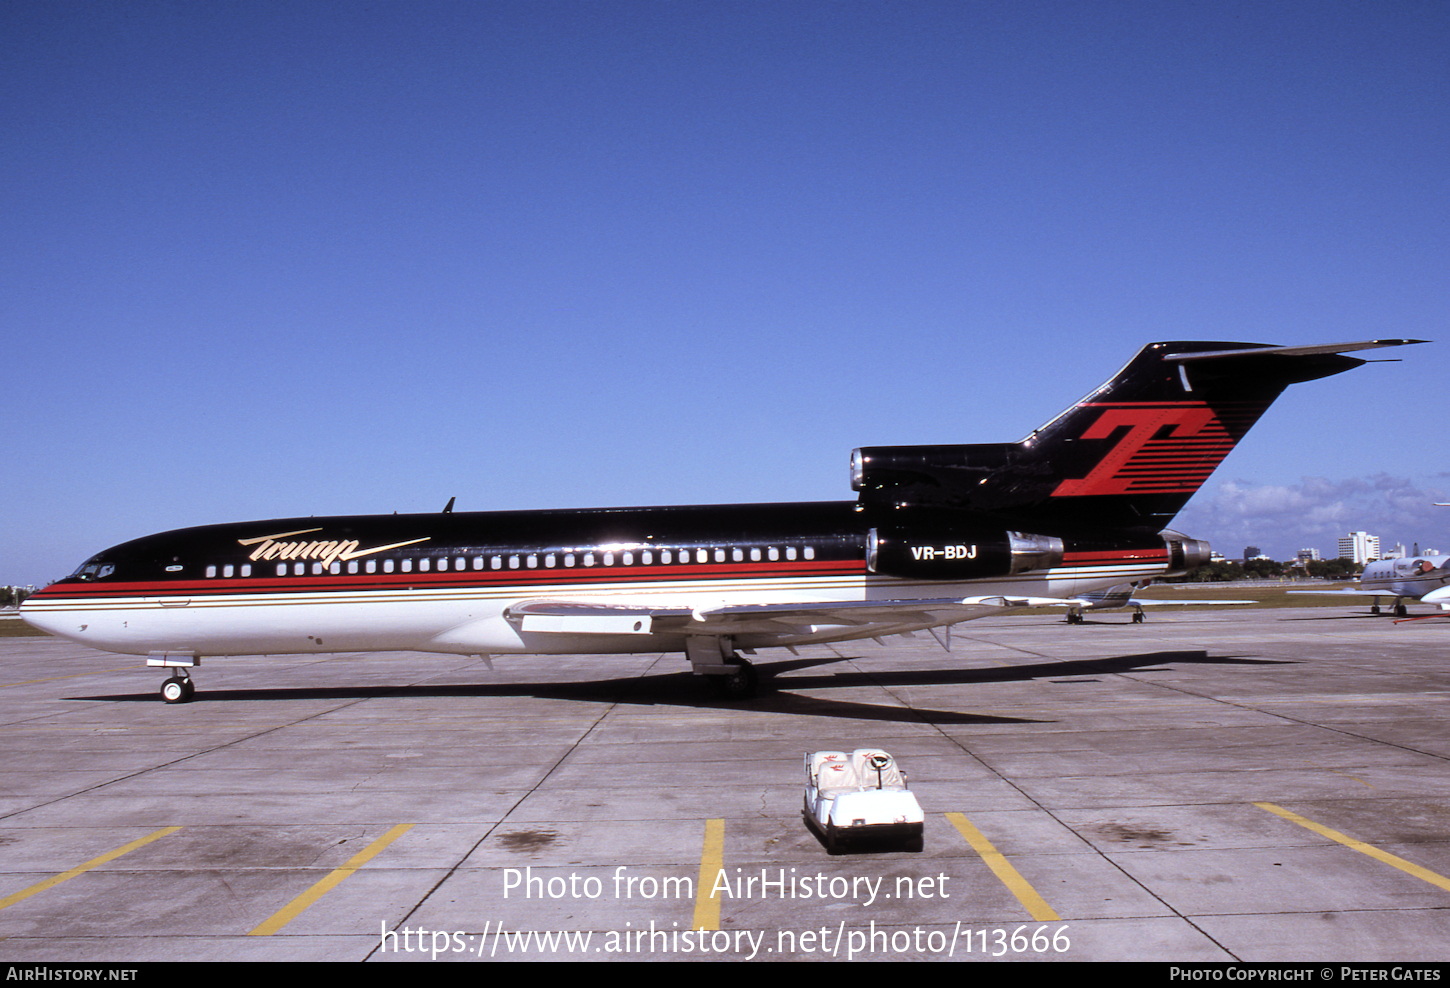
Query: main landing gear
[
  {"x": 731, "y": 676},
  {"x": 741, "y": 684}
]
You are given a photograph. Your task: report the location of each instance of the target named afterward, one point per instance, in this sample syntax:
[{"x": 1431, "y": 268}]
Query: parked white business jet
[
  {"x": 1119, "y": 597},
  {"x": 1403, "y": 579}
]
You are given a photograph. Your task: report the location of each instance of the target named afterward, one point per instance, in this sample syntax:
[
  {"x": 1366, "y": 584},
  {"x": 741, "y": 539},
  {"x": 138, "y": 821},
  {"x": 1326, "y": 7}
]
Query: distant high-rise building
[
  {"x": 1359, "y": 547},
  {"x": 1307, "y": 555}
]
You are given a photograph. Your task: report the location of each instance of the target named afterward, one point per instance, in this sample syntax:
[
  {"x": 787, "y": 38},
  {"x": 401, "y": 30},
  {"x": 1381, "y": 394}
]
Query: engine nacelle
[
  {"x": 934, "y": 554},
  {"x": 1184, "y": 554}
]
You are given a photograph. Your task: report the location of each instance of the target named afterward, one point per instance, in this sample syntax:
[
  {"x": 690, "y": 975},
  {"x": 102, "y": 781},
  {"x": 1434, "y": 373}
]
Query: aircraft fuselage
[{"x": 449, "y": 582}]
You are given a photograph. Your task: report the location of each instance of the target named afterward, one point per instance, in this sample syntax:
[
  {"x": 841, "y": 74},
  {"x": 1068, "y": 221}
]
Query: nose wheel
[{"x": 178, "y": 689}]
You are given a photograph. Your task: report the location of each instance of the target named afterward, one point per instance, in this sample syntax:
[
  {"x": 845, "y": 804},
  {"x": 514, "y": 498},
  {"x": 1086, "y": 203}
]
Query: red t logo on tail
[{"x": 1169, "y": 449}]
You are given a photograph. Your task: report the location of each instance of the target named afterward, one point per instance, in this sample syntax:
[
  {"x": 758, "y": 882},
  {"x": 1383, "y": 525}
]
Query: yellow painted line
[
  {"x": 1036, "y": 906},
  {"x": 296, "y": 907},
  {"x": 66, "y": 876},
  {"x": 712, "y": 862},
  {"x": 1408, "y": 867}
]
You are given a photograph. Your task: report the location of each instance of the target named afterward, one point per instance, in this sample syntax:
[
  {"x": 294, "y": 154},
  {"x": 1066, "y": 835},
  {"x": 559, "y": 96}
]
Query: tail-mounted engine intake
[{"x": 953, "y": 555}]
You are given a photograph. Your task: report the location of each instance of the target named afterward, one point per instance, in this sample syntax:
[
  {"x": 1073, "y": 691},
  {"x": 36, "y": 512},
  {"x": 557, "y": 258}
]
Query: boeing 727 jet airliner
[{"x": 937, "y": 535}]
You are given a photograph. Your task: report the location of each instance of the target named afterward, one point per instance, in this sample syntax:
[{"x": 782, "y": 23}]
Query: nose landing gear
[{"x": 178, "y": 689}]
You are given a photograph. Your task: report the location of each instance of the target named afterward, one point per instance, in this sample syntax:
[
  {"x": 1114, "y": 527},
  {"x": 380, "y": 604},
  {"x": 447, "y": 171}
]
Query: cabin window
[
  {"x": 666, "y": 556},
  {"x": 478, "y": 562},
  {"x": 772, "y": 553},
  {"x": 407, "y": 566},
  {"x": 810, "y": 552},
  {"x": 755, "y": 555},
  {"x": 211, "y": 571},
  {"x": 568, "y": 559},
  {"x": 246, "y": 569},
  {"x": 737, "y": 555},
  {"x": 549, "y": 561},
  {"x": 588, "y": 559},
  {"x": 628, "y": 558},
  {"x": 334, "y": 568},
  {"x": 609, "y": 559},
  {"x": 228, "y": 570},
  {"x": 495, "y": 562},
  {"x": 299, "y": 569},
  {"x": 281, "y": 569},
  {"x": 646, "y": 557},
  {"x": 513, "y": 562},
  {"x": 352, "y": 566},
  {"x": 533, "y": 561},
  {"x": 702, "y": 556},
  {"x": 790, "y": 552},
  {"x": 387, "y": 565},
  {"x": 422, "y": 565}
]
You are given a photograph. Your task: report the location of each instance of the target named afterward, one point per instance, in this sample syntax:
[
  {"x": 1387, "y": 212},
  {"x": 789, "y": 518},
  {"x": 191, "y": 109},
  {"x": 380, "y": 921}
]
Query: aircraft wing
[
  {"x": 1349, "y": 592},
  {"x": 626, "y": 617},
  {"x": 1140, "y": 602},
  {"x": 1114, "y": 604}
]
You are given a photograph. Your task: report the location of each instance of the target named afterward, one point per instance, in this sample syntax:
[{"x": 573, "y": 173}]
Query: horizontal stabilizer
[{"x": 1289, "y": 351}]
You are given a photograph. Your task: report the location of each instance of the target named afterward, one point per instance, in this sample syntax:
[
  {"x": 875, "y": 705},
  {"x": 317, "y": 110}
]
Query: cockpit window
[{"x": 93, "y": 569}]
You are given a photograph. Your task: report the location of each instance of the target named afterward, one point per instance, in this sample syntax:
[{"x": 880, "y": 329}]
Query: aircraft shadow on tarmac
[{"x": 681, "y": 689}]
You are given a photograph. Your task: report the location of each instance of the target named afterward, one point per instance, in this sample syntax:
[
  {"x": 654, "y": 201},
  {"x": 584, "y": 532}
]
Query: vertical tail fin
[{"x": 1129, "y": 455}]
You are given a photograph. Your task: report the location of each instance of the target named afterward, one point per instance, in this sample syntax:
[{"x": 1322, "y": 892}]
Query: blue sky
[{"x": 274, "y": 259}]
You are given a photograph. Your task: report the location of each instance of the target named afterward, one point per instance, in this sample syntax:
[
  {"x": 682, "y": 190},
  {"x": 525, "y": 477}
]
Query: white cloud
[{"x": 1317, "y": 511}]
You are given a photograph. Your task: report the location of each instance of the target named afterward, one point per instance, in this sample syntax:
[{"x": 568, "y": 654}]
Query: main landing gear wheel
[
  {"x": 741, "y": 684},
  {"x": 178, "y": 690}
]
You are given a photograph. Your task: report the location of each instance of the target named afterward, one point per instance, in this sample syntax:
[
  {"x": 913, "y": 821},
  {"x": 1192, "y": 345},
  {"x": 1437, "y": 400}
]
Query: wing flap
[{"x": 580, "y": 617}]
